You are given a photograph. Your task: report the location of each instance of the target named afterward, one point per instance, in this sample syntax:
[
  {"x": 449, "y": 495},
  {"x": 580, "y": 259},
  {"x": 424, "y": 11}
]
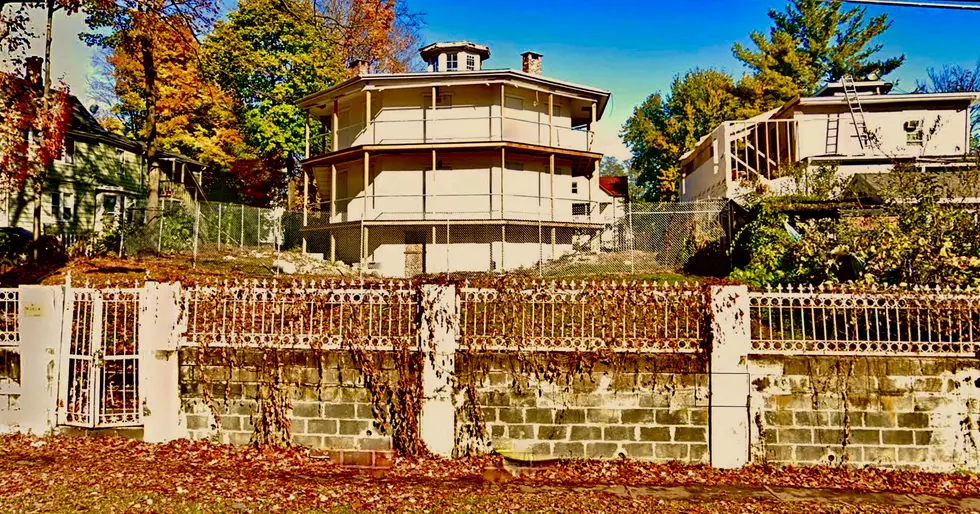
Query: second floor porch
[{"x": 487, "y": 112}]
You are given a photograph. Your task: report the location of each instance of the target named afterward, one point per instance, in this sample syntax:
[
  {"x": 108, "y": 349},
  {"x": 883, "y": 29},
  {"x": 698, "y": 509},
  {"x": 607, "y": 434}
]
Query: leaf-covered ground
[{"x": 89, "y": 474}]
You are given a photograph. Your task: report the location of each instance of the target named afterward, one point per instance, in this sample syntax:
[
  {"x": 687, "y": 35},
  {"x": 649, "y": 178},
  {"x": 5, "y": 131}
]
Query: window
[
  {"x": 56, "y": 205},
  {"x": 470, "y": 63},
  {"x": 68, "y": 151},
  {"x": 67, "y": 206},
  {"x": 574, "y": 188},
  {"x": 514, "y": 102},
  {"x": 120, "y": 156},
  {"x": 913, "y": 133},
  {"x": 580, "y": 209},
  {"x": 452, "y": 62},
  {"x": 62, "y": 206},
  {"x": 443, "y": 100},
  {"x": 109, "y": 205},
  {"x": 435, "y": 63}
]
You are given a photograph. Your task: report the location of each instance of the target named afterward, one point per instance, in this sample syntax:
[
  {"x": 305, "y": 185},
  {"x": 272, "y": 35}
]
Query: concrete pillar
[
  {"x": 731, "y": 341},
  {"x": 159, "y": 370},
  {"x": 438, "y": 342},
  {"x": 40, "y": 318}
]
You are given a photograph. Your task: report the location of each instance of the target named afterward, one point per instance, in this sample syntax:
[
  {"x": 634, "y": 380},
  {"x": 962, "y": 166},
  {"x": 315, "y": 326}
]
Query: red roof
[{"x": 615, "y": 186}]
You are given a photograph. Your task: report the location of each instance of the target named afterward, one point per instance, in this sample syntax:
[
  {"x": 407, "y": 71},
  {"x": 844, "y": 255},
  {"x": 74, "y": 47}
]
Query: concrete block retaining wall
[
  {"x": 331, "y": 408},
  {"x": 651, "y": 407},
  {"x": 877, "y": 411}
]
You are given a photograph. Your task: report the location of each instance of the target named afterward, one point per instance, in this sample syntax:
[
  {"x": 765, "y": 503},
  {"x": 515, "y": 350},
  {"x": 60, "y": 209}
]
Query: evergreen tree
[{"x": 813, "y": 42}]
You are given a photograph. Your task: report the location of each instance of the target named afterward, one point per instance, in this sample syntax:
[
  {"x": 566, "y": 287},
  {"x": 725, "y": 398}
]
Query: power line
[{"x": 971, "y": 6}]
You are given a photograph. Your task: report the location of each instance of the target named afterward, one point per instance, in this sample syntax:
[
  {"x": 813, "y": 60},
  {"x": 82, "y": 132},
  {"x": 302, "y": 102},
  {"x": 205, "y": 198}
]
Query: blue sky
[{"x": 631, "y": 48}]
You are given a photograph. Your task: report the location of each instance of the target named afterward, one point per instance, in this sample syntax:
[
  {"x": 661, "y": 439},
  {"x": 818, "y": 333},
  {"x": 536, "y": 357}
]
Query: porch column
[
  {"x": 553, "y": 229},
  {"x": 367, "y": 178},
  {"x": 425, "y": 185},
  {"x": 502, "y": 110},
  {"x": 551, "y": 123},
  {"x": 503, "y": 243},
  {"x": 333, "y": 211},
  {"x": 432, "y": 117},
  {"x": 503, "y": 171},
  {"x": 306, "y": 183},
  {"x": 334, "y": 121},
  {"x": 366, "y": 242},
  {"x": 551, "y": 173},
  {"x": 588, "y": 139},
  {"x": 593, "y": 188},
  {"x": 367, "y": 115}
]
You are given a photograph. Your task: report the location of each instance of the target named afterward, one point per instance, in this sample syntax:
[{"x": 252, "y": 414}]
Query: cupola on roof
[{"x": 454, "y": 56}]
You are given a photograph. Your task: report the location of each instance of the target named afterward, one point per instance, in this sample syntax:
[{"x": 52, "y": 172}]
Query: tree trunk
[
  {"x": 152, "y": 152},
  {"x": 39, "y": 179}
]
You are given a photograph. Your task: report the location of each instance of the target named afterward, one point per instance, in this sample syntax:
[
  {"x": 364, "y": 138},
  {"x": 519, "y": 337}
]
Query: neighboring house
[
  {"x": 459, "y": 168},
  {"x": 857, "y": 126},
  {"x": 613, "y": 199},
  {"x": 99, "y": 179}
]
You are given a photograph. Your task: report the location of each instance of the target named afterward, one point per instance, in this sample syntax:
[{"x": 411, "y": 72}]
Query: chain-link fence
[{"x": 632, "y": 239}]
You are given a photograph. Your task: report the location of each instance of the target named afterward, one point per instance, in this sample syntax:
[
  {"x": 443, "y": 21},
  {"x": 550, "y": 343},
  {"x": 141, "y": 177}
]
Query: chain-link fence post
[
  {"x": 197, "y": 229},
  {"x": 632, "y": 236},
  {"x": 241, "y": 237},
  {"x": 219, "y": 226}
]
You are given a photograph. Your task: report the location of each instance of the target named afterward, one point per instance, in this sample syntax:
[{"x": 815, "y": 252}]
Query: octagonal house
[{"x": 498, "y": 173}]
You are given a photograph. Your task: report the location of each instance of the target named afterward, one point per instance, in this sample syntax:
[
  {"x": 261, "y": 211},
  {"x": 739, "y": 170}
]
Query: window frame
[
  {"x": 452, "y": 61},
  {"x": 470, "y": 62}
]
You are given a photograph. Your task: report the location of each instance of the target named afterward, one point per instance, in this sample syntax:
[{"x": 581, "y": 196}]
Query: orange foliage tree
[
  {"x": 134, "y": 26},
  {"x": 194, "y": 116},
  {"x": 32, "y": 132}
]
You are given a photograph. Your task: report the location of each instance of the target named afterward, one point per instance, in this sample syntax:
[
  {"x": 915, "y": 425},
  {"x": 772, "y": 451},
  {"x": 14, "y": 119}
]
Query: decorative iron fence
[
  {"x": 584, "y": 316},
  {"x": 889, "y": 322},
  {"x": 9, "y": 344},
  {"x": 323, "y": 315},
  {"x": 100, "y": 360}
]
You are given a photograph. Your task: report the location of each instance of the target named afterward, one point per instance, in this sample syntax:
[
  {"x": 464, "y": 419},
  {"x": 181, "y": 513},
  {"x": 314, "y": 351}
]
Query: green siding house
[{"x": 100, "y": 179}]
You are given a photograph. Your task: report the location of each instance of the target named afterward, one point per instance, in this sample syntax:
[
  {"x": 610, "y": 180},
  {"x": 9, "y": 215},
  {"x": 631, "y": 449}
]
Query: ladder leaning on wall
[{"x": 854, "y": 105}]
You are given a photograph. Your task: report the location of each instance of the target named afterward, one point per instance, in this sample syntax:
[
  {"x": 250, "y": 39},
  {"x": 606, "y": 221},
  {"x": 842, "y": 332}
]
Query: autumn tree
[
  {"x": 267, "y": 59},
  {"x": 14, "y": 30},
  {"x": 665, "y": 126},
  {"x": 816, "y": 41},
  {"x": 32, "y": 133},
  {"x": 194, "y": 116},
  {"x": 43, "y": 117},
  {"x": 137, "y": 27},
  {"x": 270, "y": 53}
]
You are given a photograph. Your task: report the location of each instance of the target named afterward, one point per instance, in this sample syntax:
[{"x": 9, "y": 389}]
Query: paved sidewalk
[{"x": 780, "y": 494}]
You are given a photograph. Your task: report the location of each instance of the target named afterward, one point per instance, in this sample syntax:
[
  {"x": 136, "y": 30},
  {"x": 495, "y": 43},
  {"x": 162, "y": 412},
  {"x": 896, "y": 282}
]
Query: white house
[
  {"x": 857, "y": 126},
  {"x": 497, "y": 173}
]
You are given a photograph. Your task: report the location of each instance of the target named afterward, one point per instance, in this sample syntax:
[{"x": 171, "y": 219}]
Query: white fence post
[
  {"x": 728, "y": 367},
  {"x": 438, "y": 342},
  {"x": 159, "y": 371},
  {"x": 40, "y": 313}
]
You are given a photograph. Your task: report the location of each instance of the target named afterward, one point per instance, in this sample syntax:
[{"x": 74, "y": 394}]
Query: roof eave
[{"x": 602, "y": 96}]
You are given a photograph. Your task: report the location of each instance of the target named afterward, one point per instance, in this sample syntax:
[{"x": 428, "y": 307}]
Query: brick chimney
[
  {"x": 531, "y": 63},
  {"x": 360, "y": 66},
  {"x": 32, "y": 72}
]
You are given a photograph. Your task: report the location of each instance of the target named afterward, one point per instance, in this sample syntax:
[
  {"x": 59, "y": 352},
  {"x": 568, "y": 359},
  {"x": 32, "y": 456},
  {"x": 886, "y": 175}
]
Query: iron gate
[{"x": 99, "y": 382}]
